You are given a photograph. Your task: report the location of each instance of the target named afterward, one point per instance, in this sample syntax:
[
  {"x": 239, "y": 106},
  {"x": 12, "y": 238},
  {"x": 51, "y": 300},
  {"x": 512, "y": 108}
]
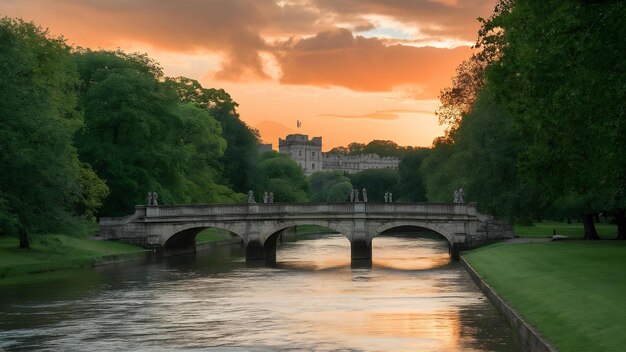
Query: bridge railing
[{"x": 301, "y": 208}]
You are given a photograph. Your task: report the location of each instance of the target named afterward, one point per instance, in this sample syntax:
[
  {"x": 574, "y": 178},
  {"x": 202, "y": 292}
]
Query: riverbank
[
  {"x": 59, "y": 252},
  {"x": 571, "y": 292}
]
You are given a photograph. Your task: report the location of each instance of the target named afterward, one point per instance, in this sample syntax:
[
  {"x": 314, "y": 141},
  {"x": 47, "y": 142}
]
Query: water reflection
[{"x": 412, "y": 299}]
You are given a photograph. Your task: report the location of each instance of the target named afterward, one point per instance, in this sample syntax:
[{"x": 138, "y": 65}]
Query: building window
[
  {"x": 313, "y": 166},
  {"x": 312, "y": 153},
  {"x": 299, "y": 152}
]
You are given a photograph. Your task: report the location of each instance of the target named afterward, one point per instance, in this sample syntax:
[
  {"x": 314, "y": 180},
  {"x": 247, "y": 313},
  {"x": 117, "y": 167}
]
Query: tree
[
  {"x": 440, "y": 178},
  {"x": 202, "y": 140},
  {"x": 133, "y": 129},
  {"x": 323, "y": 186},
  {"x": 376, "y": 182},
  {"x": 241, "y": 154},
  {"x": 278, "y": 173},
  {"x": 565, "y": 97},
  {"x": 44, "y": 185},
  {"x": 411, "y": 186}
]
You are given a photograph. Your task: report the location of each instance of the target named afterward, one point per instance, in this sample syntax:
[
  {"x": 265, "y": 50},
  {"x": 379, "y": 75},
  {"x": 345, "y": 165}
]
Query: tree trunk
[
  {"x": 620, "y": 219},
  {"x": 24, "y": 243},
  {"x": 590, "y": 227}
]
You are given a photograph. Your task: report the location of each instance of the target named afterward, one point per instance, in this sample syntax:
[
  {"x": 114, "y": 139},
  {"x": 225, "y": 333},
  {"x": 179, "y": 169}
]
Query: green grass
[
  {"x": 573, "y": 230},
  {"x": 572, "y": 292},
  {"x": 56, "y": 252}
]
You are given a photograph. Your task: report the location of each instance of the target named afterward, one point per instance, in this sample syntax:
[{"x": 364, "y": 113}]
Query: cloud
[
  {"x": 385, "y": 115},
  {"x": 439, "y": 19},
  {"x": 242, "y": 31},
  {"x": 337, "y": 58}
]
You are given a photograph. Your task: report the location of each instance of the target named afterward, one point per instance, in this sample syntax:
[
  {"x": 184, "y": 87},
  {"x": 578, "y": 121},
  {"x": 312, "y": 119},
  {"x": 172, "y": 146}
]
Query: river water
[{"x": 412, "y": 299}]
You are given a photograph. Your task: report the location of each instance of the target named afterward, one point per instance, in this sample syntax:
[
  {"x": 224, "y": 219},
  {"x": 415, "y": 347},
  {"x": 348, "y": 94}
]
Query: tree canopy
[{"x": 44, "y": 187}]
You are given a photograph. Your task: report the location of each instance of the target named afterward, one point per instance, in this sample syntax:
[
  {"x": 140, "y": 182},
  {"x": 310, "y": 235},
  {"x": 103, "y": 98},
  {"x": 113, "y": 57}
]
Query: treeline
[
  {"x": 87, "y": 133},
  {"x": 536, "y": 118},
  {"x": 383, "y": 148}
]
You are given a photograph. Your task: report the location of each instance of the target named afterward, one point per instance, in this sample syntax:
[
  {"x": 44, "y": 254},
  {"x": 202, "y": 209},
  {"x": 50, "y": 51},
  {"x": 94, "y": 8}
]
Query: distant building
[
  {"x": 355, "y": 163},
  {"x": 308, "y": 154},
  {"x": 264, "y": 147}
]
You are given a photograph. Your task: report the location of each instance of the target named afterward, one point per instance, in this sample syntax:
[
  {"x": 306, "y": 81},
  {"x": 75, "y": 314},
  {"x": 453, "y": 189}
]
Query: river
[{"x": 412, "y": 299}]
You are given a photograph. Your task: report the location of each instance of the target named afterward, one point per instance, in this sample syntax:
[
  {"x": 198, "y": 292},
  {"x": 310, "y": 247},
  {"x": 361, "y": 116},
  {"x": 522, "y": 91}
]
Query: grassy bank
[
  {"x": 56, "y": 252},
  {"x": 573, "y": 230},
  {"x": 572, "y": 292}
]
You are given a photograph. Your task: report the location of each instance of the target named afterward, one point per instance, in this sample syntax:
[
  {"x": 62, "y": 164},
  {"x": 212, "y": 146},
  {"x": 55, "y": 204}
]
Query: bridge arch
[
  {"x": 184, "y": 236},
  {"x": 442, "y": 230},
  {"x": 275, "y": 229}
]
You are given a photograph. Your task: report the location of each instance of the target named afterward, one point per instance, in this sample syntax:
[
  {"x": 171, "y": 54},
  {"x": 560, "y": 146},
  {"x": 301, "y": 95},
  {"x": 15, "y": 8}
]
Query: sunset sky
[{"x": 350, "y": 70}]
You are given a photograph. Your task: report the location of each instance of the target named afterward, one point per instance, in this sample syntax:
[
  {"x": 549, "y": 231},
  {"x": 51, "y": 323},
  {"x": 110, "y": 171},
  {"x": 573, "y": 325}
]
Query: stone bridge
[{"x": 173, "y": 228}]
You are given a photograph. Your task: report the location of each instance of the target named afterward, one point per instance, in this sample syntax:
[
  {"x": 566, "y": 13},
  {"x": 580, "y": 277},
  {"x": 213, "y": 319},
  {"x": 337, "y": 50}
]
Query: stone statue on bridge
[
  {"x": 458, "y": 196},
  {"x": 266, "y": 197},
  {"x": 388, "y": 197},
  {"x": 352, "y": 196},
  {"x": 155, "y": 198},
  {"x": 364, "y": 192},
  {"x": 149, "y": 199},
  {"x": 251, "y": 197},
  {"x": 271, "y": 197}
]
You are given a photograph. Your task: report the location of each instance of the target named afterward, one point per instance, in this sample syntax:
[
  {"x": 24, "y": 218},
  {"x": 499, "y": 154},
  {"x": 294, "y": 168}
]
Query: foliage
[
  {"x": 458, "y": 100},
  {"x": 132, "y": 134},
  {"x": 381, "y": 148},
  {"x": 327, "y": 186},
  {"x": 566, "y": 99},
  {"x": 376, "y": 182},
  {"x": 43, "y": 183},
  {"x": 440, "y": 178},
  {"x": 411, "y": 186},
  {"x": 280, "y": 174},
  {"x": 240, "y": 157}
]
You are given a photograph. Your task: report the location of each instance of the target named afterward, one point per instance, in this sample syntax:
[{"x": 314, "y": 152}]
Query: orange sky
[{"x": 350, "y": 70}]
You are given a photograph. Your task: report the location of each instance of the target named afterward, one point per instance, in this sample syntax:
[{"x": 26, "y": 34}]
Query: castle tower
[{"x": 307, "y": 153}]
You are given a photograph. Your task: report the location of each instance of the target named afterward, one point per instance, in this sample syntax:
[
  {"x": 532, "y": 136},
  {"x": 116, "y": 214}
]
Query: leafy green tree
[
  {"x": 440, "y": 177},
  {"x": 411, "y": 186},
  {"x": 43, "y": 187},
  {"x": 379, "y": 147},
  {"x": 280, "y": 174},
  {"x": 202, "y": 140},
  {"x": 339, "y": 192},
  {"x": 323, "y": 186},
  {"x": 560, "y": 73},
  {"x": 133, "y": 129},
  {"x": 376, "y": 182},
  {"x": 241, "y": 155}
]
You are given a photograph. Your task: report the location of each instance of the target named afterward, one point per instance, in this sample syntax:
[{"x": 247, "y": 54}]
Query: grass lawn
[
  {"x": 213, "y": 235},
  {"x": 572, "y": 292},
  {"x": 55, "y": 252},
  {"x": 573, "y": 230}
]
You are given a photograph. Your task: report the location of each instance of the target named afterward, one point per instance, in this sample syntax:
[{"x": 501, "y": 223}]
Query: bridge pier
[
  {"x": 361, "y": 252},
  {"x": 263, "y": 254}
]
